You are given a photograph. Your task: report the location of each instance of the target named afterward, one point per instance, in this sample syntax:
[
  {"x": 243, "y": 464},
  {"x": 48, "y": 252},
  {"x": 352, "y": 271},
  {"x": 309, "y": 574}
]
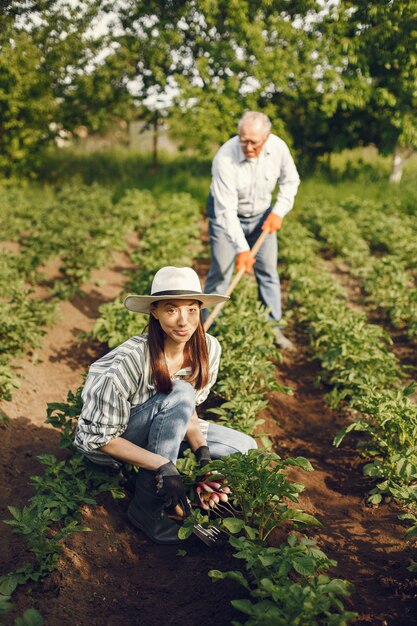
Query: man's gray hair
[{"x": 255, "y": 117}]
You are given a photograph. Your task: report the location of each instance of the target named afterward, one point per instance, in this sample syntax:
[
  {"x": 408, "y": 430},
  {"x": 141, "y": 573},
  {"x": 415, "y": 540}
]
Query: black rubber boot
[{"x": 147, "y": 511}]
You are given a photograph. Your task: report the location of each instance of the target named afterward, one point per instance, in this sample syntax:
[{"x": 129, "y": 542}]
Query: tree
[
  {"x": 26, "y": 103},
  {"x": 51, "y": 78},
  {"x": 378, "y": 43},
  {"x": 217, "y": 58}
]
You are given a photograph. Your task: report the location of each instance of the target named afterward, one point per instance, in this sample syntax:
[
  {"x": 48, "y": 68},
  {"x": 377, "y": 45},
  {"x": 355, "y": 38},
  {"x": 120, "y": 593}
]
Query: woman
[{"x": 140, "y": 399}]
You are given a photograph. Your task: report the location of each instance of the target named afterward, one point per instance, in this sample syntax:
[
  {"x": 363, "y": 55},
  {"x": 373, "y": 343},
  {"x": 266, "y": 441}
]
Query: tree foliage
[
  {"x": 376, "y": 43},
  {"x": 330, "y": 75},
  {"x": 217, "y": 58},
  {"x": 51, "y": 78}
]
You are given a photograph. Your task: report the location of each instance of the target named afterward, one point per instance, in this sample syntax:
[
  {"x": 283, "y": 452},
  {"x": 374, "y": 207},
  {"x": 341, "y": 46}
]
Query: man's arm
[
  {"x": 225, "y": 197},
  {"x": 288, "y": 181}
]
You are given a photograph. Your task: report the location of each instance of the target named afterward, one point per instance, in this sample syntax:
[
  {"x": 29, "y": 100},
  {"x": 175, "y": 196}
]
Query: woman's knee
[
  {"x": 223, "y": 441},
  {"x": 182, "y": 394},
  {"x": 246, "y": 443}
]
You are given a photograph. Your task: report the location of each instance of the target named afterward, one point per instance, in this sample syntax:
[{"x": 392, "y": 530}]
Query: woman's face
[{"x": 178, "y": 318}]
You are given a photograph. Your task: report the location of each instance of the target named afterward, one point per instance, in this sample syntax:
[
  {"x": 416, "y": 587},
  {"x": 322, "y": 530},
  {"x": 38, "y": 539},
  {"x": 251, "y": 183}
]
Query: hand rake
[{"x": 208, "y": 535}]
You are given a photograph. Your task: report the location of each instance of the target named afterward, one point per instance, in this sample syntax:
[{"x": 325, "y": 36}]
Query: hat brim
[{"x": 142, "y": 304}]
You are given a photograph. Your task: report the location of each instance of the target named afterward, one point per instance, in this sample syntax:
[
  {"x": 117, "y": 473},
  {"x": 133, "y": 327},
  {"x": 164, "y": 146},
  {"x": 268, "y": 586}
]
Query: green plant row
[
  {"x": 288, "y": 584},
  {"x": 385, "y": 228},
  {"x": 385, "y": 280},
  {"x": 245, "y": 378},
  {"x": 249, "y": 475},
  {"x": 243, "y": 382},
  {"x": 52, "y": 514},
  {"x": 22, "y": 320},
  {"x": 358, "y": 365},
  {"x": 55, "y": 510},
  {"x": 79, "y": 224},
  {"x": 171, "y": 237}
]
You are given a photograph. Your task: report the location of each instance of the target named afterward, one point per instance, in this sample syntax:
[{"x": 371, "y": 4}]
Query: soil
[{"x": 114, "y": 575}]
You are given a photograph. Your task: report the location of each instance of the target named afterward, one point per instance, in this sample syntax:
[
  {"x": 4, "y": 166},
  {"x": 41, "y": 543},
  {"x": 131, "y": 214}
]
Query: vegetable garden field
[{"x": 322, "y": 523}]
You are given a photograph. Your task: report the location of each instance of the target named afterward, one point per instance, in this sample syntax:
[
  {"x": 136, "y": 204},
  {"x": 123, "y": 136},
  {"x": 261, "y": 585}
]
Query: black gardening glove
[
  {"x": 170, "y": 487},
  {"x": 202, "y": 455}
]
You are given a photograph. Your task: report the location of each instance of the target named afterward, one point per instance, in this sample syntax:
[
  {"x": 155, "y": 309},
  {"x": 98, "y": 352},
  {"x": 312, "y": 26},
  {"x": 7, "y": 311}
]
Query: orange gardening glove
[
  {"x": 245, "y": 260},
  {"x": 272, "y": 223}
]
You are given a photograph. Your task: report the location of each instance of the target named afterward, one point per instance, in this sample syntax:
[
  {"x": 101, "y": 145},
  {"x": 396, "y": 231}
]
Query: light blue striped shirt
[{"x": 120, "y": 380}]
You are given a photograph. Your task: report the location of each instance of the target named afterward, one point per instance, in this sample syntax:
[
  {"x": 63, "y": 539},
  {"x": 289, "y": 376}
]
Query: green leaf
[
  {"x": 407, "y": 391},
  {"x": 185, "y": 531},
  {"x": 8, "y": 585},
  {"x": 300, "y": 461},
  {"x": 233, "y": 524},
  {"x": 266, "y": 442},
  {"x": 338, "y": 586},
  {"x": 17, "y": 514},
  {"x": 181, "y": 552},
  {"x": 216, "y": 574},
  {"x": 245, "y": 606},
  {"x": 296, "y": 515},
  {"x": 292, "y": 540},
  {"x": 375, "y": 499},
  {"x": 411, "y": 532},
  {"x": 304, "y": 565},
  {"x": 358, "y": 426},
  {"x": 251, "y": 533},
  {"x": 30, "y": 617}
]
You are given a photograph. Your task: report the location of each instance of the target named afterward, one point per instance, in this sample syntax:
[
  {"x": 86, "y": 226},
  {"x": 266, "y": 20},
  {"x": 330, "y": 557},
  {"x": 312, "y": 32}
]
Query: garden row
[
  {"x": 79, "y": 226},
  {"x": 288, "y": 584},
  {"x": 386, "y": 228},
  {"x": 386, "y": 281},
  {"x": 360, "y": 369},
  {"x": 54, "y": 511}
]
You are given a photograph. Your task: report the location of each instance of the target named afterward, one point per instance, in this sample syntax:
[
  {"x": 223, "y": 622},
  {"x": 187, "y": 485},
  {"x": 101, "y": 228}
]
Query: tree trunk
[
  {"x": 155, "y": 143},
  {"x": 401, "y": 156}
]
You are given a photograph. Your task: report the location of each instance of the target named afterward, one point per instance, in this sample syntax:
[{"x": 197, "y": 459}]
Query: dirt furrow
[
  {"x": 47, "y": 373},
  {"x": 367, "y": 541},
  {"x": 113, "y": 574}
]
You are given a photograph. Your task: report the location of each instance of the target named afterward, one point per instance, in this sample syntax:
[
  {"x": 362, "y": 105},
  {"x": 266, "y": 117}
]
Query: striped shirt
[{"x": 119, "y": 381}]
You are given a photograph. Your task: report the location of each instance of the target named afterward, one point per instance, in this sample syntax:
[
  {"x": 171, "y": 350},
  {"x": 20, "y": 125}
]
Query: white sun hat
[{"x": 173, "y": 283}]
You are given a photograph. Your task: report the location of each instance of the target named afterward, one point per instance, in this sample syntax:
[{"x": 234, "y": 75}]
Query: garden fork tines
[{"x": 209, "y": 535}]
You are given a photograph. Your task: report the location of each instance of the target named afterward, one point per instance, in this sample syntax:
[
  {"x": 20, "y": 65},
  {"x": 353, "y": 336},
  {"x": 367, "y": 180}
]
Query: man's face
[{"x": 252, "y": 138}]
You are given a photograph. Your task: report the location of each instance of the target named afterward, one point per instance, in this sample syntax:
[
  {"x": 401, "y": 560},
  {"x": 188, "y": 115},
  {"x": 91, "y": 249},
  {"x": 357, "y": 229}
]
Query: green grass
[
  {"x": 123, "y": 169},
  {"x": 361, "y": 173}
]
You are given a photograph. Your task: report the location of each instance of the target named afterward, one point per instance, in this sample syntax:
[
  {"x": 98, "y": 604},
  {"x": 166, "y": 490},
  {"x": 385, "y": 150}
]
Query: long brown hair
[{"x": 195, "y": 357}]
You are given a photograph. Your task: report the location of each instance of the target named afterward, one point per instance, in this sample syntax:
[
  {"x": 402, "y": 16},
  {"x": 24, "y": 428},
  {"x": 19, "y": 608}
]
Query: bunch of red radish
[{"x": 211, "y": 492}]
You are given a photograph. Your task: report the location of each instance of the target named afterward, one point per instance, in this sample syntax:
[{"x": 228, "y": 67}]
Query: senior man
[{"x": 245, "y": 172}]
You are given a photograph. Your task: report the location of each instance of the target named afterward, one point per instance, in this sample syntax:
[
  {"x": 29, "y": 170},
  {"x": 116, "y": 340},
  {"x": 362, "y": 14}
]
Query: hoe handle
[{"x": 256, "y": 246}]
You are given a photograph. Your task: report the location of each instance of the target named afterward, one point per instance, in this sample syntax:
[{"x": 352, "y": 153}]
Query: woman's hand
[
  {"x": 202, "y": 454},
  {"x": 170, "y": 487}
]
